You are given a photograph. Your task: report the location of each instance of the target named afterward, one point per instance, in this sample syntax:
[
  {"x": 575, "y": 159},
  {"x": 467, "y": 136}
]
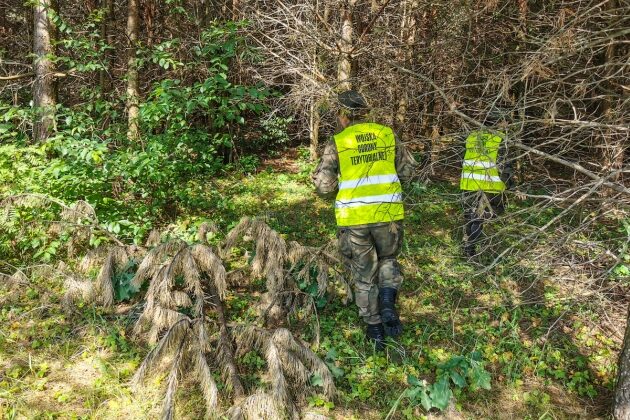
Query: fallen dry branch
[{"x": 184, "y": 315}]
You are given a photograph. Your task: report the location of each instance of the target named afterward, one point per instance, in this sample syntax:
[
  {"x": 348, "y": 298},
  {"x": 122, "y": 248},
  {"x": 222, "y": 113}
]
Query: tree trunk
[
  {"x": 621, "y": 408},
  {"x": 44, "y": 100},
  {"x": 107, "y": 35},
  {"x": 408, "y": 37},
  {"x": 344, "y": 69},
  {"x": 133, "y": 131},
  {"x": 148, "y": 22},
  {"x": 313, "y": 128},
  {"x": 313, "y": 114},
  {"x": 614, "y": 144}
]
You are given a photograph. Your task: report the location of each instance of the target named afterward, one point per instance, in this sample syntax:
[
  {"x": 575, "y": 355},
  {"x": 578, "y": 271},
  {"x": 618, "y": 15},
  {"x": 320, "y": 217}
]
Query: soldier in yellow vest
[
  {"x": 364, "y": 165},
  {"x": 486, "y": 174}
]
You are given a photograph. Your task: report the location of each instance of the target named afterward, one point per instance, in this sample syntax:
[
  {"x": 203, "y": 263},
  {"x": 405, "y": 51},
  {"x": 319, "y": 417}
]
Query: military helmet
[{"x": 352, "y": 100}]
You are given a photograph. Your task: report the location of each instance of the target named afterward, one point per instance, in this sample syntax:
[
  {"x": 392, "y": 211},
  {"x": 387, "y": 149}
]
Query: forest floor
[{"x": 546, "y": 353}]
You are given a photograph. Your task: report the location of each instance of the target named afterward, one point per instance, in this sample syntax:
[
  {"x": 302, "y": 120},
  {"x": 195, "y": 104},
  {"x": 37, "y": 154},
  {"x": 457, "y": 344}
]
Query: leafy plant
[
  {"x": 274, "y": 132},
  {"x": 187, "y": 128},
  {"x": 461, "y": 371},
  {"x": 248, "y": 164},
  {"x": 124, "y": 289}
]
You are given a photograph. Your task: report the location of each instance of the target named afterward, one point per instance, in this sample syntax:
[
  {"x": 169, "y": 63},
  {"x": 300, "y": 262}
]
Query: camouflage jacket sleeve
[
  {"x": 505, "y": 164},
  {"x": 406, "y": 165},
  {"x": 326, "y": 175}
]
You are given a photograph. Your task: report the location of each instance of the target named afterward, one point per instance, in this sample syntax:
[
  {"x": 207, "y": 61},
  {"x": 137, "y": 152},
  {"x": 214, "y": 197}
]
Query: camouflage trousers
[
  {"x": 370, "y": 253},
  {"x": 479, "y": 207}
]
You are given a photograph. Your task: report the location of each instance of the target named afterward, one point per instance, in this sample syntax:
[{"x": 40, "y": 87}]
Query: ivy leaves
[
  {"x": 123, "y": 287},
  {"x": 430, "y": 396},
  {"x": 462, "y": 371}
]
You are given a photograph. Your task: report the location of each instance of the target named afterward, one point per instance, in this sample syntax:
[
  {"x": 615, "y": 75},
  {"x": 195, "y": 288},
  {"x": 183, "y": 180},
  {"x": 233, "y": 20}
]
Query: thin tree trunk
[
  {"x": 613, "y": 151},
  {"x": 313, "y": 127},
  {"x": 148, "y": 22},
  {"x": 313, "y": 115},
  {"x": 44, "y": 100},
  {"x": 408, "y": 36},
  {"x": 107, "y": 35},
  {"x": 426, "y": 33},
  {"x": 344, "y": 69},
  {"x": 133, "y": 130},
  {"x": 621, "y": 408}
]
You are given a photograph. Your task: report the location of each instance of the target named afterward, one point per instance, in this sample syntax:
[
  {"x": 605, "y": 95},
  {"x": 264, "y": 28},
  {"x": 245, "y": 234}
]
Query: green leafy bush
[
  {"x": 461, "y": 371},
  {"x": 186, "y": 125}
]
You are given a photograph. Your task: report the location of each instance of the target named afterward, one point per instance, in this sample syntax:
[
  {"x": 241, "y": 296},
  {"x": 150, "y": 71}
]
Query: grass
[{"x": 546, "y": 353}]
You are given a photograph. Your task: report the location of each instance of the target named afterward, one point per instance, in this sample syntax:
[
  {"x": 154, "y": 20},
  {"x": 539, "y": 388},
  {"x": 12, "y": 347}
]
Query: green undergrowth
[{"x": 510, "y": 343}]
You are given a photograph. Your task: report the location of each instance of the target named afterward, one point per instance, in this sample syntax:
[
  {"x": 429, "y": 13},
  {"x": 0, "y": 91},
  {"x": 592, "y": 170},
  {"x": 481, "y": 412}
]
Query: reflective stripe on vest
[
  {"x": 478, "y": 164},
  {"x": 358, "y": 202},
  {"x": 481, "y": 177},
  {"x": 369, "y": 180},
  {"x": 369, "y": 188},
  {"x": 479, "y": 169}
]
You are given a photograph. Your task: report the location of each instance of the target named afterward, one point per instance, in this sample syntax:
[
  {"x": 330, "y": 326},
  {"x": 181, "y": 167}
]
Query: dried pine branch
[
  {"x": 212, "y": 266},
  {"x": 206, "y": 382},
  {"x": 286, "y": 357},
  {"x": 204, "y": 229},
  {"x": 286, "y": 340},
  {"x": 154, "y": 239},
  {"x": 104, "y": 289},
  {"x": 183, "y": 276},
  {"x": 168, "y": 409},
  {"x": 270, "y": 251},
  {"x": 257, "y": 406},
  {"x": 153, "y": 260},
  {"x": 101, "y": 290},
  {"x": 168, "y": 344}
]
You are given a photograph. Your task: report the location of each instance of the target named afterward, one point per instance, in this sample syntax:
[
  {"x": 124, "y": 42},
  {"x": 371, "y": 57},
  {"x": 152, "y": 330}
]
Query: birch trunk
[
  {"x": 133, "y": 111},
  {"x": 344, "y": 70},
  {"x": 44, "y": 100}
]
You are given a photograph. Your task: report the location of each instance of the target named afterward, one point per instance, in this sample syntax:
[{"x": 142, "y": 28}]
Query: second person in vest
[
  {"x": 363, "y": 166},
  {"x": 486, "y": 173}
]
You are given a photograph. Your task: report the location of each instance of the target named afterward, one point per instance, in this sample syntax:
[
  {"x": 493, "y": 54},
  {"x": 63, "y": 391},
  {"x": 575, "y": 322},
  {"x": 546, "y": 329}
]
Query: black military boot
[
  {"x": 473, "y": 233},
  {"x": 469, "y": 250},
  {"x": 389, "y": 316},
  {"x": 376, "y": 334}
]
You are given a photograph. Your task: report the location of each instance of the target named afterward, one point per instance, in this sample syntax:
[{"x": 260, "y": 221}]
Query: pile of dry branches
[{"x": 184, "y": 314}]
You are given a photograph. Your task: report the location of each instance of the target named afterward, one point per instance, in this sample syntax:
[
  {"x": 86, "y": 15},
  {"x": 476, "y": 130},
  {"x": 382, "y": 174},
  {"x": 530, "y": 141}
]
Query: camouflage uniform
[{"x": 370, "y": 250}]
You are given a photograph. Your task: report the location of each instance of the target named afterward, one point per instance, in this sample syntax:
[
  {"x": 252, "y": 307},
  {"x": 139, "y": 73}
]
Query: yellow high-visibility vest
[
  {"x": 369, "y": 188},
  {"x": 479, "y": 170}
]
